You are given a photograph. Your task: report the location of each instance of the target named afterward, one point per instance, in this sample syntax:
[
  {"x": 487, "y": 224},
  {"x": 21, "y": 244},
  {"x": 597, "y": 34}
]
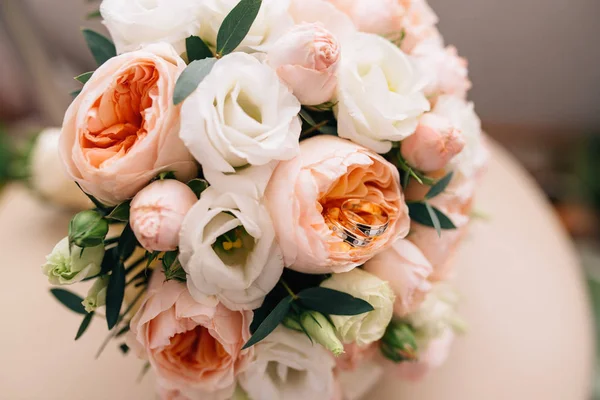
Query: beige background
[{"x": 524, "y": 298}]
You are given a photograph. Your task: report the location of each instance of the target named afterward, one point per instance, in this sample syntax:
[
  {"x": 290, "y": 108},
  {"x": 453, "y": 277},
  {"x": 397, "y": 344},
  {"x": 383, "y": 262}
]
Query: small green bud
[
  {"x": 96, "y": 296},
  {"x": 322, "y": 331},
  {"x": 172, "y": 267},
  {"x": 292, "y": 323},
  {"x": 88, "y": 229},
  {"x": 399, "y": 343}
]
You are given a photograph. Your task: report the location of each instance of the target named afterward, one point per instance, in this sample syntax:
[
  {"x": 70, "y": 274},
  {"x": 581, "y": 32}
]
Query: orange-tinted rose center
[
  {"x": 195, "y": 351},
  {"x": 120, "y": 117}
]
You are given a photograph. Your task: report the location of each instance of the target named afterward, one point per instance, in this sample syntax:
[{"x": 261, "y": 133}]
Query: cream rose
[
  {"x": 228, "y": 249},
  {"x": 406, "y": 269},
  {"x": 270, "y": 23},
  {"x": 288, "y": 366},
  {"x": 48, "y": 176},
  {"x": 240, "y": 114},
  {"x": 193, "y": 348},
  {"x": 306, "y": 59},
  {"x": 134, "y": 23},
  {"x": 380, "y": 97},
  {"x": 363, "y": 329},
  {"x": 122, "y": 129},
  {"x": 329, "y": 170}
]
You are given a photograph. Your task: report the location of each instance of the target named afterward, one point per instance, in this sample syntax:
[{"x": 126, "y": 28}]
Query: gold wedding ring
[{"x": 357, "y": 222}]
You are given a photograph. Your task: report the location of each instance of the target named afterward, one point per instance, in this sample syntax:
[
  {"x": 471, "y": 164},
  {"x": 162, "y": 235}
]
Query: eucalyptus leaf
[
  {"x": 83, "y": 78},
  {"x": 191, "y": 77},
  {"x": 115, "y": 292},
  {"x": 198, "y": 186},
  {"x": 75, "y": 93},
  {"x": 196, "y": 49},
  {"x": 84, "y": 325},
  {"x": 271, "y": 322},
  {"x": 236, "y": 26},
  {"x": 69, "y": 300},
  {"x": 333, "y": 302},
  {"x": 121, "y": 212},
  {"x": 439, "y": 186},
  {"x": 419, "y": 213},
  {"x": 434, "y": 219},
  {"x": 127, "y": 244},
  {"x": 305, "y": 115},
  {"x": 101, "y": 47}
]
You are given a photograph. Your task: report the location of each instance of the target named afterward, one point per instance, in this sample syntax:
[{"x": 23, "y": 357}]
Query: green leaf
[
  {"x": 84, "y": 325},
  {"x": 123, "y": 331},
  {"x": 75, "y": 93},
  {"x": 191, "y": 77},
  {"x": 124, "y": 348},
  {"x": 94, "y": 200},
  {"x": 271, "y": 322},
  {"x": 69, "y": 300},
  {"x": 198, "y": 186},
  {"x": 419, "y": 213},
  {"x": 439, "y": 186},
  {"x": 115, "y": 292},
  {"x": 83, "y": 78},
  {"x": 196, "y": 49},
  {"x": 127, "y": 244},
  {"x": 121, "y": 212},
  {"x": 101, "y": 47},
  {"x": 333, "y": 302},
  {"x": 93, "y": 15},
  {"x": 236, "y": 26},
  {"x": 305, "y": 115}
]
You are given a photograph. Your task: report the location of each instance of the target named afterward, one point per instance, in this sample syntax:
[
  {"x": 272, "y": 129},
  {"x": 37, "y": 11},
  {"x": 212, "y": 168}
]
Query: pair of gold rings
[{"x": 358, "y": 222}]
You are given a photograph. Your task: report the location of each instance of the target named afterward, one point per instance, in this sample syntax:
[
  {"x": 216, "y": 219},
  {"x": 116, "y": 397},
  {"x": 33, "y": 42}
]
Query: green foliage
[
  {"x": 102, "y": 48},
  {"x": 236, "y": 26},
  {"x": 84, "y": 325},
  {"x": 198, "y": 186},
  {"x": 196, "y": 49},
  {"x": 425, "y": 214},
  {"x": 83, "y": 78},
  {"x": 332, "y": 302},
  {"x": 271, "y": 322},
  {"x": 191, "y": 77},
  {"x": 120, "y": 213},
  {"x": 70, "y": 300},
  {"x": 172, "y": 267},
  {"x": 439, "y": 187}
]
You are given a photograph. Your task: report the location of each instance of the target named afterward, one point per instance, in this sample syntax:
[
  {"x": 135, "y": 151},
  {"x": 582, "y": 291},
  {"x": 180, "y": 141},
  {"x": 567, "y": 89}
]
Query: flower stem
[{"x": 289, "y": 290}]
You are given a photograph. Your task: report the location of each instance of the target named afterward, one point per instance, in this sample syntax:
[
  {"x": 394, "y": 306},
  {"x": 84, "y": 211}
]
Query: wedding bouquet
[{"x": 278, "y": 187}]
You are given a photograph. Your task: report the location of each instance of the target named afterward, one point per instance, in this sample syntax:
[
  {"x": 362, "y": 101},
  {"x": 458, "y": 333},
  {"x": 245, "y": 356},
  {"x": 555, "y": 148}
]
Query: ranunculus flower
[
  {"x": 380, "y": 97},
  {"x": 96, "y": 296},
  {"x": 229, "y": 251},
  {"x": 406, "y": 269},
  {"x": 271, "y": 22},
  {"x": 193, "y": 348},
  {"x": 48, "y": 176},
  {"x": 133, "y": 24},
  {"x": 306, "y": 59},
  {"x": 288, "y": 366},
  {"x": 240, "y": 114},
  {"x": 122, "y": 129},
  {"x": 157, "y": 213},
  {"x": 66, "y": 266},
  {"x": 363, "y": 329},
  {"x": 435, "y": 142},
  {"x": 329, "y": 170},
  {"x": 381, "y": 17}
]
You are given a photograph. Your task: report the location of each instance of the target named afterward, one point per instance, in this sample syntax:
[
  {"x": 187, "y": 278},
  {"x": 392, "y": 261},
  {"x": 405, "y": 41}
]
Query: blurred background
[{"x": 535, "y": 67}]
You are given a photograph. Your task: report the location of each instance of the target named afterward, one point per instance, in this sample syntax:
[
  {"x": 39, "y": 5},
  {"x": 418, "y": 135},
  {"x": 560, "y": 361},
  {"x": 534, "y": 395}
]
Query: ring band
[
  {"x": 352, "y": 238},
  {"x": 361, "y": 215}
]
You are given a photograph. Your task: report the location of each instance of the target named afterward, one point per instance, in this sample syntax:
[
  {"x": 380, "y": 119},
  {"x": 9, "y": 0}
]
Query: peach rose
[
  {"x": 406, "y": 269},
  {"x": 435, "y": 142},
  {"x": 157, "y": 213},
  {"x": 306, "y": 59},
  {"x": 327, "y": 171},
  {"x": 194, "y": 349},
  {"x": 122, "y": 129}
]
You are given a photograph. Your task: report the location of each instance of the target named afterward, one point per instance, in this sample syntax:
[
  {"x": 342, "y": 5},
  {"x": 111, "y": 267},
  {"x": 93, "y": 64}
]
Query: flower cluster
[{"x": 278, "y": 187}]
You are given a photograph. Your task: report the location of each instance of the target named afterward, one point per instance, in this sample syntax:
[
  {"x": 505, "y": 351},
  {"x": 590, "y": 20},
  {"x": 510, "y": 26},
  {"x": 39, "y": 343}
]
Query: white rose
[
  {"x": 66, "y": 266},
  {"x": 48, "y": 177},
  {"x": 461, "y": 115},
  {"x": 270, "y": 23},
  {"x": 228, "y": 249},
  {"x": 288, "y": 366},
  {"x": 134, "y": 23},
  {"x": 380, "y": 97},
  {"x": 366, "y": 328},
  {"x": 240, "y": 114}
]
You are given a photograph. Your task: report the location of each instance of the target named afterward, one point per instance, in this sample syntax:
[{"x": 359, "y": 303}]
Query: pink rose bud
[
  {"x": 433, "y": 145},
  {"x": 157, "y": 212},
  {"x": 306, "y": 59}
]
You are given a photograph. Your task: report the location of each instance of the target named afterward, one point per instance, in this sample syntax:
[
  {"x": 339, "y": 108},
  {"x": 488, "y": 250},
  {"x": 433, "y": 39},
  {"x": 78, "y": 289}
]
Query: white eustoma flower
[
  {"x": 228, "y": 249},
  {"x": 65, "y": 267},
  {"x": 135, "y": 23},
  {"x": 240, "y": 114},
  {"x": 270, "y": 23},
  {"x": 380, "y": 93},
  {"x": 366, "y": 328},
  {"x": 48, "y": 177},
  {"x": 288, "y": 366}
]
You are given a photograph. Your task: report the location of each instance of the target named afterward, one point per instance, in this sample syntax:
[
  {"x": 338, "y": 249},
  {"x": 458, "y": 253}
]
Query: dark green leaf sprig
[
  {"x": 232, "y": 32},
  {"x": 425, "y": 214},
  {"x": 102, "y": 49}
]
